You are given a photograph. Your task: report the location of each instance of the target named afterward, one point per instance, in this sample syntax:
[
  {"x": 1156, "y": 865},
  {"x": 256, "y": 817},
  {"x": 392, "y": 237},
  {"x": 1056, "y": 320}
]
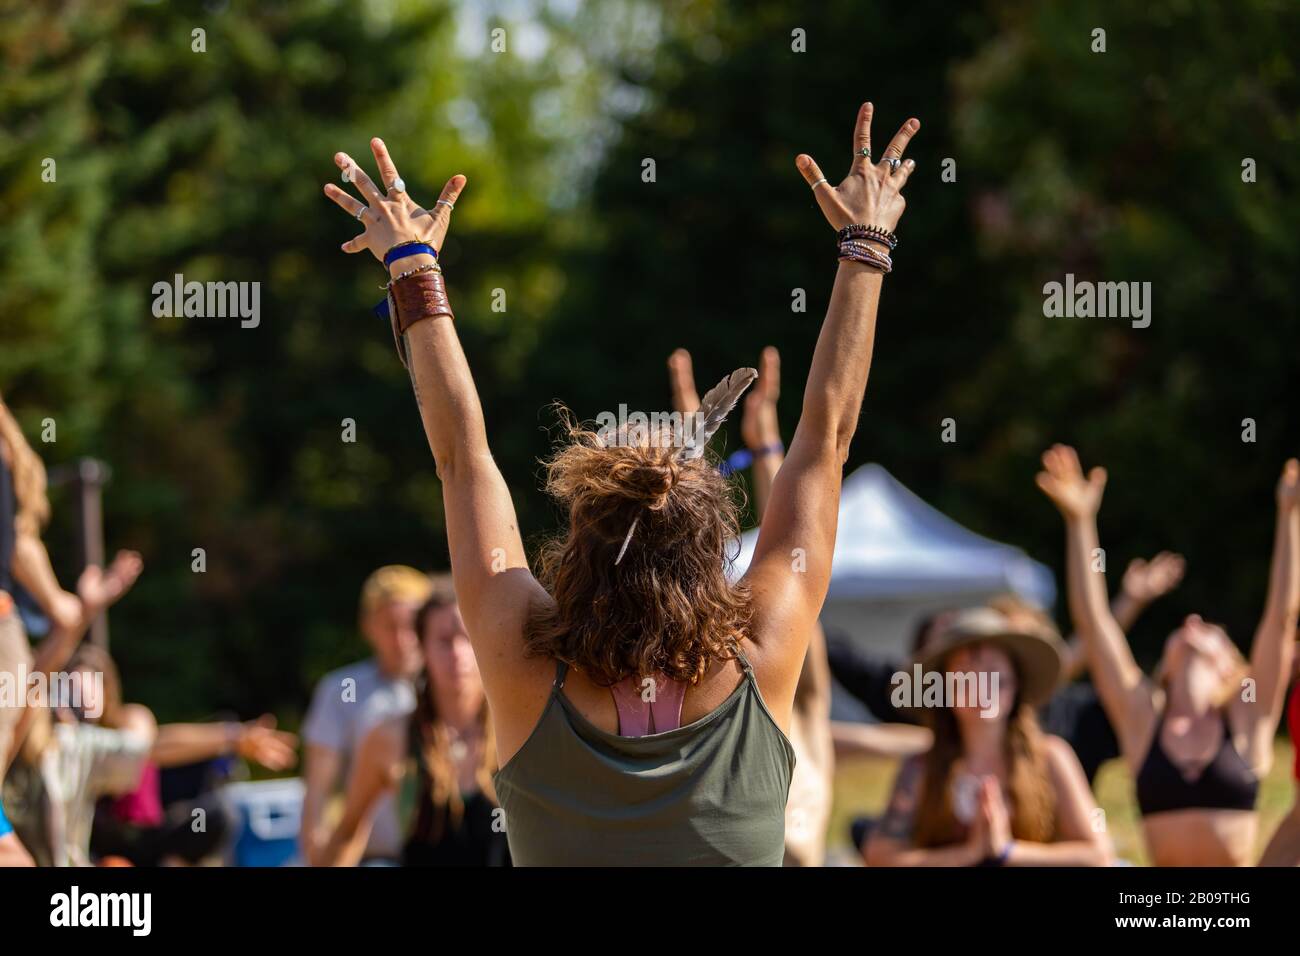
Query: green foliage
[{"x": 1124, "y": 165}]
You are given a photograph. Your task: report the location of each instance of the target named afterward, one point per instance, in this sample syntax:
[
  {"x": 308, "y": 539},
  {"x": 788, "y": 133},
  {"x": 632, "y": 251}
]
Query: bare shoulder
[
  {"x": 779, "y": 636},
  {"x": 1062, "y": 761}
]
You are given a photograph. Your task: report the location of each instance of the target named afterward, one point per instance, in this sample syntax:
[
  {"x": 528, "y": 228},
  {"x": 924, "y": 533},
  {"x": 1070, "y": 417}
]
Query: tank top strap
[
  {"x": 561, "y": 669},
  {"x": 744, "y": 663}
]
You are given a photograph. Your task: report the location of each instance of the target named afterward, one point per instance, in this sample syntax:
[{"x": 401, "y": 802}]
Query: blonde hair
[
  {"x": 393, "y": 583},
  {"x": 28, "y": 474}
]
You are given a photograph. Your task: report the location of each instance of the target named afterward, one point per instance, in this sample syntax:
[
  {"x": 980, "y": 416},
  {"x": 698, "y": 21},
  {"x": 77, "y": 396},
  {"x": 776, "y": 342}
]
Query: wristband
[
  {"x": 736, "y": 461},
  {"x": 862, "y": 231},
  {"x": 404, "y": 249},
  {"x": 411, "y": 298},
  {"x": 742, "y": 459}
]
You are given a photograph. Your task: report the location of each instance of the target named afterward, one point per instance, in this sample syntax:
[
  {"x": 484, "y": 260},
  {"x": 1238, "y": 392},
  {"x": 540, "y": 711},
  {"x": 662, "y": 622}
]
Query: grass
[{"x": 862, "y": 788}]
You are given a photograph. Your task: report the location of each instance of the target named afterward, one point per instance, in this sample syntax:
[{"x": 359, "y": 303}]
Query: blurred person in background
[
  {"x": 27, "y": 737},
  {"x": 24, "y": 562},
  {"x": 53, "y": 787},
  {"x": 808, "y": 809},
  {"x": 1073, "y": 712},
  {"x": 134, "y": 825},
  {"x": 1198, "y": 736},
  {"x": 440, "y": 761},
  {"x": 635, "y": 594},
  {"x": 993, "y": 790},
  {"x": 350, "y": 702}
]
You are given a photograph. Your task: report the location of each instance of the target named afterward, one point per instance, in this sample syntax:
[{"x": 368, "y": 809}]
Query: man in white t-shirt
[{"x": 350, "y": 701}]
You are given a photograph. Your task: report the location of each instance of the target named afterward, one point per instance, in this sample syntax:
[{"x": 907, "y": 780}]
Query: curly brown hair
[{"x": 668, "y": 605}]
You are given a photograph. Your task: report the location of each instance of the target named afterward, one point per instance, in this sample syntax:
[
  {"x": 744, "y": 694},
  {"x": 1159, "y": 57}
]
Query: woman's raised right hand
[{"x": 870, "y": 194}]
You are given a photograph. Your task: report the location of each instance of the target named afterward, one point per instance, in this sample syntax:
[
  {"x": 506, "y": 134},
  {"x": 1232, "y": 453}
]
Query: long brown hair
[
  {"x": 439, "y": 786},
  {"x": 28, "y": 474},
  {"x": 667, "y": 606},
  {"x": 93, "y": 658},
  {"x": 1029, "y": 788}
]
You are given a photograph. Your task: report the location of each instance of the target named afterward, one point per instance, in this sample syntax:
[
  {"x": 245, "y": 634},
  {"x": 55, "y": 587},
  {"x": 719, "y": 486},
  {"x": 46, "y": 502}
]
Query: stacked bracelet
[
  {"x": 381, "y": 308},
  {"x": 860, "y": 231},
  {"x": 415, "y": 247},
  {"x": 430, "y": 267},
  {"x": 854, "y": 251}
]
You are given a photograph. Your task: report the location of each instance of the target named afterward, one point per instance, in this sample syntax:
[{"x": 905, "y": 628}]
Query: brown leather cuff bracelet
[
  {"x": 420, "y": 296},
  {"x": 415, "y": 297}
]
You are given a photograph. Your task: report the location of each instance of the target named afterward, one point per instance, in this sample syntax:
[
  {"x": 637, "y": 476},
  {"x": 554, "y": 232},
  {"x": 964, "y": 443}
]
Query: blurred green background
[{"x": 1117, "y": 166}]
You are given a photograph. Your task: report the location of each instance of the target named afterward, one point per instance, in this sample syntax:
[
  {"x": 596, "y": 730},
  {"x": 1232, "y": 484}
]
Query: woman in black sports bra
[{"x": 1198, "y": 736}]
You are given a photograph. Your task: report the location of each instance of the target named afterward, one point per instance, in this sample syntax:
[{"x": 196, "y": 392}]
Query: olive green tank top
[{"x": 712, "y": 793}]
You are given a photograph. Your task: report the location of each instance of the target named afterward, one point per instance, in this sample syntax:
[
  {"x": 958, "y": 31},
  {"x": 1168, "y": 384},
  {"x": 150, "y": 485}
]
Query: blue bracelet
[
  {"x": 736, "y": 461},
  {"x": 405, "y": 249},
  {"x": 742, "y": 459}
]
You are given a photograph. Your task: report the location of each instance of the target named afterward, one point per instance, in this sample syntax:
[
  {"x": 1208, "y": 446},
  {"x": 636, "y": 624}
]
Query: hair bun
[{"x": 646, "y": 478}]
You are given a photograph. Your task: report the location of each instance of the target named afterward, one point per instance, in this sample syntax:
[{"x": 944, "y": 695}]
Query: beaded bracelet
[
  {"x": 860, "y": 231},
  {"x": 860, "y": 252},
  {"x": 428, "y": 267},
  {"x": 884, "y": 267},
  {"x": 381, "y": 308}
]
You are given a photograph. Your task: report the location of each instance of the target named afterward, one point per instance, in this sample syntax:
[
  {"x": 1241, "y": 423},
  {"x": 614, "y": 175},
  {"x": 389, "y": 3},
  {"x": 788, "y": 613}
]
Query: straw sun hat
[{"x": 1038, "y": 653}]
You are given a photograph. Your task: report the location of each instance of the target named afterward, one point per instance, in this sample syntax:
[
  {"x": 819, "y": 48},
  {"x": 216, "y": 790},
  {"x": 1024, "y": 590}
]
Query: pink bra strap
[{"x": 639, "y": 716}]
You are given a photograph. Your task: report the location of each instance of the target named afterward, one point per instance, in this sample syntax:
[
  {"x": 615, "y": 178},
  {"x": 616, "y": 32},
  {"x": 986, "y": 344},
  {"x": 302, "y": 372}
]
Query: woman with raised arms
[
  {"x": 1198, "y": 735},
  {"x": 640, "y": 701}
]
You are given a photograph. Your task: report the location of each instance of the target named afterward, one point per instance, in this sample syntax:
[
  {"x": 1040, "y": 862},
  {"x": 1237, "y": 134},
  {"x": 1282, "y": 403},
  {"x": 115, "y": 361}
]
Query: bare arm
[
  {"x": 259, "y": 741},
  {"x": 322, "y": 767},
  {"x": 891, "y": 841},
  {"x": 791, "y": 567},
  {"x": 493, "y": 584},
  {"x": 1079, "y": 842},
  {"x": 1143, "y": 583},
  {"x": 879, "y": 740},
  {"x": 375, "y": 771},
  {"x": 1124, "y": 690},
  {"x": 1273, "y": 648},
  {"x": 761, "y": 428}
]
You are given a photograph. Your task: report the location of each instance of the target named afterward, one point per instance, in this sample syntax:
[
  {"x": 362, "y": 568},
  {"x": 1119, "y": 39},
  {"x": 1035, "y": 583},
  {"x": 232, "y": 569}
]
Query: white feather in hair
[{"x": 714, "y": 409}]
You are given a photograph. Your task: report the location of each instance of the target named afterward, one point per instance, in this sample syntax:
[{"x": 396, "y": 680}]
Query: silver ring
[
  {"x": 398, "y": 185},
  {"x": 818, "y": 183},
  {"x": 893, "y": 165},
  {"x": 444, "y": 202},
  {"x": 361, "y": 214}
]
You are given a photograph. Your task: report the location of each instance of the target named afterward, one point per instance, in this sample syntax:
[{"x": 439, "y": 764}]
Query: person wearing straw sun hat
[
  {"x": 993, "y": 790},
  {"x": 1037, "y": 651}
]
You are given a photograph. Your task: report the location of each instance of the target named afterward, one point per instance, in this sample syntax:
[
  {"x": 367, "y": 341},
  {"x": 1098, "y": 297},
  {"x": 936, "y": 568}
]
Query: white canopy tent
[{"x": 897, "y": 559}]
